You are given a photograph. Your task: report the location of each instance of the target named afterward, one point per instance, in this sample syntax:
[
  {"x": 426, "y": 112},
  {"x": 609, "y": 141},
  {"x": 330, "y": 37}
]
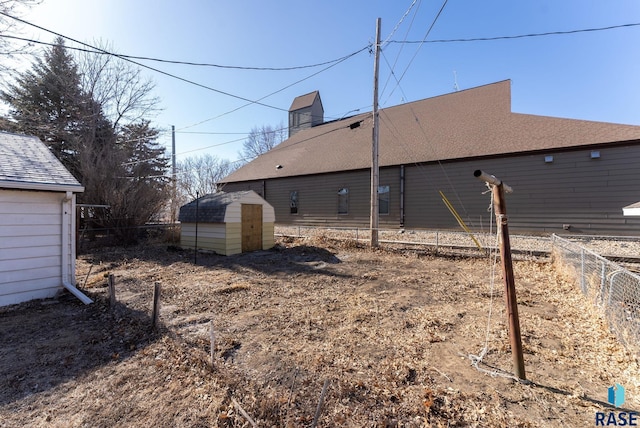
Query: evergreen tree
[
  {"x": 119, "y": 164},
  {"x": 47, "y": 101}
]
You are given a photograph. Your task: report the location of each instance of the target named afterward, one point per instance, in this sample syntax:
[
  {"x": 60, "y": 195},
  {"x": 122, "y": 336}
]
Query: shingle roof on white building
[{"x": 27, "y": 163}]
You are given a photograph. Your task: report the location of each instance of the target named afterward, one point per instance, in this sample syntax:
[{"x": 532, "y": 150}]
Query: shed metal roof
[
  {"x": 27, "y": 163},
  {"x": 211, "y": 208},
  {"x": 471, "y": 123}
]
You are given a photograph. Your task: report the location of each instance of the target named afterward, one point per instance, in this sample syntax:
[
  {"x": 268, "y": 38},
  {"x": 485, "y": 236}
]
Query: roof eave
[{"x": 22, "y": 185}]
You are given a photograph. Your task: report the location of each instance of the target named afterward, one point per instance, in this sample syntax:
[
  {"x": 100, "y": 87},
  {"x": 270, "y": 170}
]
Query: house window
[
  {"x": 293, "y": 202},
  {"x": 548, "y": 159},
  {"x": 595, "y": 154},
  {"x": 343, "y": 201},
  {"x": 383, "y": 199}
]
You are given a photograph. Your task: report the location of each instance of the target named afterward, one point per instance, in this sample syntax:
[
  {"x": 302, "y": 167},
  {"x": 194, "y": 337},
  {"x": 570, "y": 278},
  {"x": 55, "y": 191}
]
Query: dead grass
[{"x": 391, "y": 331}]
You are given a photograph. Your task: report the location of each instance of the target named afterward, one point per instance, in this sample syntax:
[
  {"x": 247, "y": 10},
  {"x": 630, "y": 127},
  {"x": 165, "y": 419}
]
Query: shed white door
[{"x": 251, "y": 228}]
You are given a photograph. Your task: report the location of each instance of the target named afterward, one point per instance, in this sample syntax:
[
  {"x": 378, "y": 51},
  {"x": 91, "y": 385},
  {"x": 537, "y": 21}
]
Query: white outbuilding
[
  {"x": 37, "y": 222},
  {"x": 228, "y": 223}
]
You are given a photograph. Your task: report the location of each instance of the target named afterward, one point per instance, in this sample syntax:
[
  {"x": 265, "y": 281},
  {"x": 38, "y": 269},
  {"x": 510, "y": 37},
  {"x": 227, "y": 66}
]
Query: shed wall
[
  {"x": 211, "y": 236},
  {"x": 31, "y": 245},
  {"x": 225, "y": 239}
]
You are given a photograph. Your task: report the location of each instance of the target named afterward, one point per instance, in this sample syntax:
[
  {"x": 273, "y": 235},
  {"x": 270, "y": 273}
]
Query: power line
[
  {"x": 279, "y": 90},
  {"x": 144, "y": 65},
  {"x": 212, "y": 145},
  {"x": 249, "y": 102},
  {"x": 399, "y": 22},
  {"x": 399, "y": 51},
  {"x": 519, "y": 36},
  {"x": 421, "y": 43},
  {"x": 197, "y": 64}
]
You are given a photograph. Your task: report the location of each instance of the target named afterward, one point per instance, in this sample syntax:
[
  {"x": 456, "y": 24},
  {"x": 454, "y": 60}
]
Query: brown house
[{"x": 567, "y": 175}]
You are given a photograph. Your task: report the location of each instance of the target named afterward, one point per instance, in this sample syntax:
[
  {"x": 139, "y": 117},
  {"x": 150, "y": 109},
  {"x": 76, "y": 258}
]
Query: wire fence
[
  {"x": 89, "y": 237},
  {"x": 612, "y": 288},
  {"x": 436, "y": 240}
]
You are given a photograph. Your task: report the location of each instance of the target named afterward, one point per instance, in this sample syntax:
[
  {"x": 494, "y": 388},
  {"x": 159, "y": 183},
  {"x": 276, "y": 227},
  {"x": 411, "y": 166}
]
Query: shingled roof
[
  {"x": 28, "y": 164},
  {"x": 466, "y": 124},
  {"x": 304, "y": 101},
  {"x": 211, "y": 208}
]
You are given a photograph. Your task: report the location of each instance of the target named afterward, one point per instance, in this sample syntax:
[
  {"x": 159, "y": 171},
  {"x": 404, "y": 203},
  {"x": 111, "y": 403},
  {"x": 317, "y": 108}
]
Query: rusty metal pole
[{"x": 498, "y": 191}]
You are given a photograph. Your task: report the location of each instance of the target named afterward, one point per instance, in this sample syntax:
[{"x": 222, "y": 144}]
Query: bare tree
[
  {"x": 118, "y": 86},
  {"x": 261, "y": 140},
  {"x": 201, "y": 174},
  {"x": 10, "y": 47}
]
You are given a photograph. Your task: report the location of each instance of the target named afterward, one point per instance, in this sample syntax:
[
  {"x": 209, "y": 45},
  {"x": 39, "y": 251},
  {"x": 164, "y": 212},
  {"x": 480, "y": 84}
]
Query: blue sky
[{"x": 591, "y": 76}]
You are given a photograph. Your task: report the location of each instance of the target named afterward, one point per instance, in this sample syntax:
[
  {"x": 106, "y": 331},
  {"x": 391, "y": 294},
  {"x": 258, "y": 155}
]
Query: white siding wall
[{"x": 31, "y": 245}]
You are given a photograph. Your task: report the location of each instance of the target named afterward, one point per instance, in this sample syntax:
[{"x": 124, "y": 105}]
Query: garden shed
[
  {"x": 228, "y": 223},
  {"x": 37, "y": 222}
]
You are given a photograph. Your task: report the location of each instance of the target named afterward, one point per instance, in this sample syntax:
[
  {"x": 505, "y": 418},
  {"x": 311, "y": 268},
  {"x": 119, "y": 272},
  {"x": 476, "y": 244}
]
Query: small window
[
  {"x": 293, "y": 202},
  {"x": 595, "y": 154},
  {"x": 548, "y": 159},
  {"x": 383, "y": 199},
  {"x": 343, "y": 201}
]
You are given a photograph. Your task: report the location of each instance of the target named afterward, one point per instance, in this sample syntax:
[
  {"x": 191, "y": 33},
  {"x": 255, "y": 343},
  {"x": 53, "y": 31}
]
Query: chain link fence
[
  {"x": 436, "y": 240},
  {"x": 612, "y": 288}
]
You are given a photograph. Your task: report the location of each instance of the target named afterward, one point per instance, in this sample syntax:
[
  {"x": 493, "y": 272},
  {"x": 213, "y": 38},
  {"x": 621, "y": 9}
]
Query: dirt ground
[{"x": 385, "y": 334}]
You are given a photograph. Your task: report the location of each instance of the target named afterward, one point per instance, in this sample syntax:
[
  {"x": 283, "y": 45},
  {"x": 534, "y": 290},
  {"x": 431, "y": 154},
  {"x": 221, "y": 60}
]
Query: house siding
[
  {"x": 318, "y": 197},
  {"x": 587, "y": 194},
  {"x": 31, "y": 245}
]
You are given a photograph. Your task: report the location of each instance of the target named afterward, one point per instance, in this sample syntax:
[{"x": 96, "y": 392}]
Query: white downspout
[{"x": 67, "y": 223}]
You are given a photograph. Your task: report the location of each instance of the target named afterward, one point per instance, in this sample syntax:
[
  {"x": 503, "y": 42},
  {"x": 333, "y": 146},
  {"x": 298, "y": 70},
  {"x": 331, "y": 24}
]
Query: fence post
[
  {"x": 582, "y": 283},
  {"x": 498, "y": 191},
  {"x": 603, "y": 282},
  {"x": 156, "y": 305},
  {"x": 212, "y": 337},
  {"x": 112, "y": 290}
]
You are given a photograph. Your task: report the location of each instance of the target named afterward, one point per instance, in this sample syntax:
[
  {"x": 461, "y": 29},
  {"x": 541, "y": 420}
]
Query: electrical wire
[
  {"x": 198, "y": 64},
  {"x": 420, "y": 46},
  {"x": 399, "y": 23},
  {"x": 519, "y": 36},
  {"x": 278, "y": 91},
  {"x": 146, "y": 66},
  {"x": 384, "y": 88},
  {"x": 249, "y": 102}
]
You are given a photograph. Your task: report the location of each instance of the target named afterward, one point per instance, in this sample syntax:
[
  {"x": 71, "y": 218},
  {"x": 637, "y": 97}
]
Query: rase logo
[{"x": 616, "y": 397}]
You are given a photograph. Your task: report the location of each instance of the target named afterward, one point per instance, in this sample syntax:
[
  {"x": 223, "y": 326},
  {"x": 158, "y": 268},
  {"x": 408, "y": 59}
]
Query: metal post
[
  {"x": 174, "y": 182},
  {"x": 195, "y": 253},
  {"x": 507, "y": 270},
  {"x": 582, "y": 281}
]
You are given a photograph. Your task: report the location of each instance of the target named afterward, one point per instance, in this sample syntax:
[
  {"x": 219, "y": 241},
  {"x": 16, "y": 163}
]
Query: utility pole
[
  {"x": 174, "y": 182},
  {"x": 375, "y": 173},
  {"x": 498, "y": 190}
]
